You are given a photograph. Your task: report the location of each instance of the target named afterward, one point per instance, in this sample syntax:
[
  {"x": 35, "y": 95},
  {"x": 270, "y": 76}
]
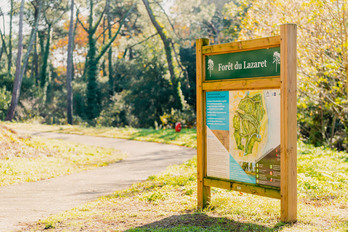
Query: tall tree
[
  {"x": 3, "y": 45},
  {"x": 69, "y": 72},
  {"x": 167, "y": 47},
  {"x": 3, "y": 37},
  {"x": 51, "y": 18},
  {"x": 21, "y": 68},
  {"x": 35, "y": 59},
  {"x": 93, "y": 58},
  {"x": 9, "y": 58},
  {"x": 32, "y": 37},
  {"x": 110, "y": 68},
  {"x": 18, "y": 80}
]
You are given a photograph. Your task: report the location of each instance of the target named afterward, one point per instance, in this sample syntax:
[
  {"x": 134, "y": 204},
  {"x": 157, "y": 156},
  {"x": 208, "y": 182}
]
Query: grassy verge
[
  {"x": 187, "y": 137},
  {"x": 167, "y": 202},
  {"x": 33, "y": 159}
]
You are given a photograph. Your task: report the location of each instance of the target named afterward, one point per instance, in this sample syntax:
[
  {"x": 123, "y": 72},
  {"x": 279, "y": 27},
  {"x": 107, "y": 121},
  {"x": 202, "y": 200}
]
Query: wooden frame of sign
[{"x": 285, "y": 82}]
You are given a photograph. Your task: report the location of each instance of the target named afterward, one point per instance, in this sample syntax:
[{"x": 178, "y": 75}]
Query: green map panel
[{"x": 247, "y": 122}]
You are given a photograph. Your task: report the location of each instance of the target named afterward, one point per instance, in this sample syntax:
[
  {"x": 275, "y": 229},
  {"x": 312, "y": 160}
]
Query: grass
[
  {"x": 187, "y": 137},
  {"x": 33, "y": 159},
  {"x": 167, "y": 202}
]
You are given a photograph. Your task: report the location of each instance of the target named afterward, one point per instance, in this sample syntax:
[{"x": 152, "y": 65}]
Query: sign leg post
[
  {"x": 203, "y": 192},
  {"x": 288, "y": 188}
]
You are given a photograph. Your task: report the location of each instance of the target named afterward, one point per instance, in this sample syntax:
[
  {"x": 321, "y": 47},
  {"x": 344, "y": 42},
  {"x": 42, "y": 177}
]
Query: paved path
[{"x": 30, "y": 202}]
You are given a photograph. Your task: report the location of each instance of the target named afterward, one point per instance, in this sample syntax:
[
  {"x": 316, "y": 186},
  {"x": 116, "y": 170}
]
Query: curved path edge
[{"x": 29, "y": 202}]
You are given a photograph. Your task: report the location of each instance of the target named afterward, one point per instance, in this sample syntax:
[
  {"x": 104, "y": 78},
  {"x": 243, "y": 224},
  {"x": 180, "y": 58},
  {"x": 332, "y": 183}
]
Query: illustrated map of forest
[{"x": 247, "y": 122}]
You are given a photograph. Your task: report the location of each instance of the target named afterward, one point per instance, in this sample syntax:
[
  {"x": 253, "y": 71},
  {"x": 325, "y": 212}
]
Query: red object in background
[{"x": 178, "y": 127}]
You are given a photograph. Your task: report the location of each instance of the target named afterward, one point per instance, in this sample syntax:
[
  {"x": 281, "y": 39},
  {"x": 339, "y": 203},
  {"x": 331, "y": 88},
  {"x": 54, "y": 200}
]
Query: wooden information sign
[{"x": 246, "y": 118}]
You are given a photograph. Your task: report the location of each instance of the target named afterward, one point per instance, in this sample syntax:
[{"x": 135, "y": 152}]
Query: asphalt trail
[{"x": 29, "y": 202}]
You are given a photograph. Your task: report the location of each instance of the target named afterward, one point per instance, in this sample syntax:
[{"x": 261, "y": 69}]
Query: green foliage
[
  {"x": 233, "y": 14},
  {"x": 192, "y": 20},
  {"x": 322, "y": 56},
  {"x": 145, "y": 94},
  {"x": 115, "y": 114},
  {"x": 322, "y": 173},
  {"x": 150, "y": 95},
  {"x": 188, "y": 60},
  {"x": 47, "y": 104},
  {"x": 79, "y": 99},
  {"x": 5, "y": 99},
  {"x": 7, "y": 81},
  {"x": 186, "y": 117},
  {"x": 49, "y": 226}
]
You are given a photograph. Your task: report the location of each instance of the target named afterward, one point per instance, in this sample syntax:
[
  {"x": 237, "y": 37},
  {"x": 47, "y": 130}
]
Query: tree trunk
[
  {"x": 92, "y": 66},
  {"x": 21, "y": 69},
  {"x": 3, "y": 46},
  {"x": 93, "y": 91},
  {"x": 17, "y": 81},
  {"x": 333, "y": 125},
  {"x": 69, "y": 72},
  {"x": 1, "y": 51},
  {"x": 9, "y": 61},
  {"x": 45, "y": 55},
  {"x": 111, "y": 80},
  {"x": 31, "y": 39},
  {"x": 103, "y": 63},
  {"x": 36, "y": 62},
  {"x": 35, "y": 68},
  {"x": 166, "y": 42}
]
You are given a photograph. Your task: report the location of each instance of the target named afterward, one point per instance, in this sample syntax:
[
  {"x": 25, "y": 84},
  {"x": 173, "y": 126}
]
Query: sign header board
[{"x": 246, "y": 64}]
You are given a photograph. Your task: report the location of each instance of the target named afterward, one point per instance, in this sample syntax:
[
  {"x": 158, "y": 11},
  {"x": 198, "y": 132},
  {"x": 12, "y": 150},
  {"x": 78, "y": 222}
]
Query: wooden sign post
[{"x": 246, "y": 118}]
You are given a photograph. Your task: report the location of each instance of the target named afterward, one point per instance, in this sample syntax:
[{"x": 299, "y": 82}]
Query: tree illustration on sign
[
  {"x": 276, "y": 59},
  {"x": 210, "y": 65}
]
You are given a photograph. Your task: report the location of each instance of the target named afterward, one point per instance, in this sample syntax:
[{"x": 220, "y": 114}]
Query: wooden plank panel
[
  {"x": 203, "y": 192},
  {"x": 288, "y": 126},
  {"x": 240, "y": 46},
  {"x": 265, "y": 191},
  {"x": 242, "y": 84}
]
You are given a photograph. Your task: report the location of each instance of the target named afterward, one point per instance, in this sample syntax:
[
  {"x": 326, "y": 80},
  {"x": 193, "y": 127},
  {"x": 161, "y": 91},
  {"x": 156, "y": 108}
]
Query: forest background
[{"x": 132, "y": 62}]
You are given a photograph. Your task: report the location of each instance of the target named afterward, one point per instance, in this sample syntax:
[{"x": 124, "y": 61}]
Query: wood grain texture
[
  {"x": 242, "y": 84},
  {"x": 288, "y": 123},
  {"x": 203, "y": 192},
  {"x": 265, "y": 191},
  {"x": 241, "y": 46}
]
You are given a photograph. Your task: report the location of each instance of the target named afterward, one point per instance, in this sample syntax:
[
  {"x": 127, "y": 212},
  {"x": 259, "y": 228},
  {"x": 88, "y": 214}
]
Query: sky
[{"x": 5, "y": 7}]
